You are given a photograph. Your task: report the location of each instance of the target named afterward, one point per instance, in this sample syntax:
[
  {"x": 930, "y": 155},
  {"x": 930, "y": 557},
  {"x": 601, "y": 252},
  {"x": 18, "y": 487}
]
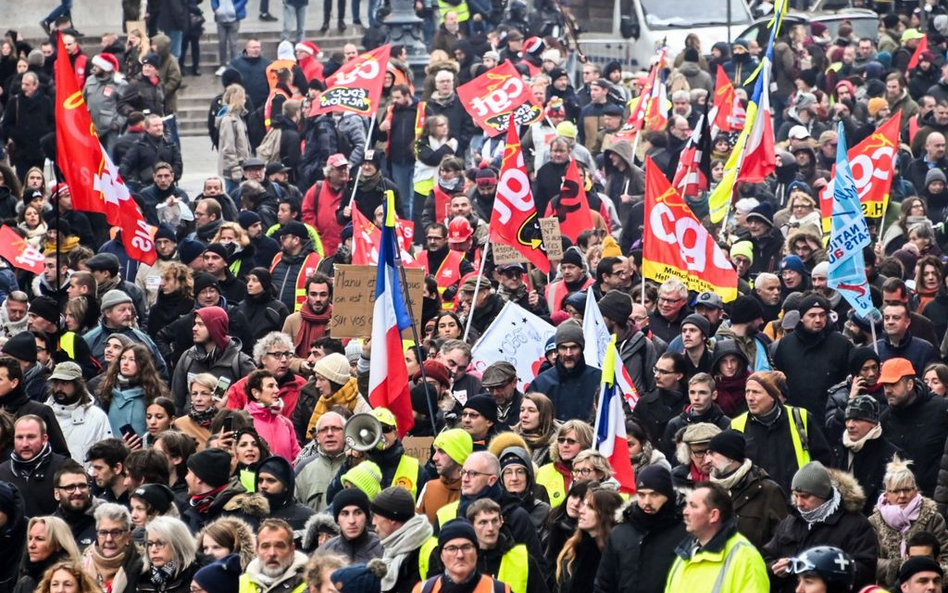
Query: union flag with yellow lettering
[
  {"x": 873, "y": 166},
  {"x": 93, "y": 179},
  {"x": 676, "y": 245}
]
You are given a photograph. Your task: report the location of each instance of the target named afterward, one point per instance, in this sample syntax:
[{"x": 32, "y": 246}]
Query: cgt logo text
[{"x": 524, "y": 115}]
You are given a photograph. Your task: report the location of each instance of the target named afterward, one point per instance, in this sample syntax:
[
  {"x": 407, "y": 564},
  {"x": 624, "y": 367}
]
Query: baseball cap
[
  {"x": 710, "y": 299},
  {"x": 894, "y": 369},
  {"x": 337, "y": 160}
]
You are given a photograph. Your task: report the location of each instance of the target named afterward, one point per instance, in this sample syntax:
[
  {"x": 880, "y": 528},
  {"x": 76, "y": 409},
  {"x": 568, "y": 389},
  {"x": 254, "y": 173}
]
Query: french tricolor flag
[
  {"x": 388, "y": 375},
  {"x": 610, "y": 419}
]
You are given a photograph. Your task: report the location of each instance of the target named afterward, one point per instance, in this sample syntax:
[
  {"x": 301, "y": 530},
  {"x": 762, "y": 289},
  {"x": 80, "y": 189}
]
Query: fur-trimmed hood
[
  {"x": 246, "y": 540},
  {"x": 315, "y": 524},
  {"x": 851, "y": 493},
  {"x": 254, "y": 504}
]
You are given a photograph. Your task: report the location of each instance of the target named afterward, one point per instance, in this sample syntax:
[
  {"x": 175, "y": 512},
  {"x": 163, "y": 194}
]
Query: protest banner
[
  {"x": 516, "y": 336},
  {"x": 353, "y": 300}
]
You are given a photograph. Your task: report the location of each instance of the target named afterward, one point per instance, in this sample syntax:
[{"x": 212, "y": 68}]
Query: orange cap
[{"x": 894, "y": 369}]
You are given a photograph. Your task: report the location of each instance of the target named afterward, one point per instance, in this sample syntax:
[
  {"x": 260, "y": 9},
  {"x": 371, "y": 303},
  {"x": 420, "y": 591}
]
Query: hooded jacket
[
  {"x": 230, "y": 363},
  {"x": 285, "y": 273},
  {"x": 169, "y": 72},
  {"x": 19, "y": 404},
  {"x": 846, "y": 528},
  {"x": 102, "y": 98},
  {"x": 83, "y": 424},
  {"x": 274, "y": 428},
  {"x": 284, "y": 505},
  {"x": 539, "y": 510},
  {"x": 314, "y": 479},
  {"x": 640, "y": 549}
]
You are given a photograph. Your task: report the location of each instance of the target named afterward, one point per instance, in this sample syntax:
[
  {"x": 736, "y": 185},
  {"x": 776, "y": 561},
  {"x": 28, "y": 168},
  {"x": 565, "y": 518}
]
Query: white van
[{"x": 634, "y": 29}]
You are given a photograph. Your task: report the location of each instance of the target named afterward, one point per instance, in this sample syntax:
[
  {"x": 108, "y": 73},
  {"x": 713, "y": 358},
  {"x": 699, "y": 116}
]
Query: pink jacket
[{"x": 275, "y": 430}]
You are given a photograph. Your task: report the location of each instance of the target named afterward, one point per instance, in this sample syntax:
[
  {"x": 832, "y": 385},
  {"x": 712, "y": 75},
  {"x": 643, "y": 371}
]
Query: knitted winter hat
[{"x": 334, "y": 367}]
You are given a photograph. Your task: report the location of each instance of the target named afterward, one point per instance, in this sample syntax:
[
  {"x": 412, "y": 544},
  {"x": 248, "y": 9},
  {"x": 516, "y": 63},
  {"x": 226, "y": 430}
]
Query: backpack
[{"x": 269, "y": 149}]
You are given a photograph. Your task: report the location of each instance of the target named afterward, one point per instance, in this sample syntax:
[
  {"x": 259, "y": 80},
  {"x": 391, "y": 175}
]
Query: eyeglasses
[
  {"x": 699, "y": 454},
  {"x": 279, "y": 355},
  {"x": 113, "y": 533},
  {"x": 388, "y": 429},
  {"x": 469, "y": 414},
  {"x": 567, "y": 440},
  {"x": 470, "y": 473},
  {"x": 74, "y": 487},
  {"x": 465, "y": 549},
  {"x": 158, "y": 545},
  {"x": 326, "y": 429},
  {"x": 669, "y": 301},
  {"x": 584, "y": 472},
  {"x": 899, "y": 491}
]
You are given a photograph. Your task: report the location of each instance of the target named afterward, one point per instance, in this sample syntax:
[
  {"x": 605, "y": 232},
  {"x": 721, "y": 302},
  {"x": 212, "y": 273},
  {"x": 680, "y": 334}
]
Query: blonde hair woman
[
  {"x": 49, "y": 541},
  {"x": 234, "y": 143},
  {"x": 201, "y": 411}
]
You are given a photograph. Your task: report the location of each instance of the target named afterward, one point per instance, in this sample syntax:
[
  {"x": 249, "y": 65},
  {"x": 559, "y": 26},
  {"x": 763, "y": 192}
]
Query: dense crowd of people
[{"x": 182, "y": 426}]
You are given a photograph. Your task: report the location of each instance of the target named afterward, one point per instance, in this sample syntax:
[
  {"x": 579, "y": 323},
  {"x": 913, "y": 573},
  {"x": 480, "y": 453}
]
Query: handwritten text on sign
[{"x": 353, "y": 300}]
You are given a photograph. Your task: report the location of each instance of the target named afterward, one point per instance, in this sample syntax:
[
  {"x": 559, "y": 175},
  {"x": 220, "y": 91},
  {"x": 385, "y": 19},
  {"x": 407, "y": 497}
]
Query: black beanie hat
[
  {"x": 22, "y": 347},
  {"x": 394, "y": 503},
  {"x": 814, "y": 301},
  {"x": 700, "y": 322},
  {"x": 729, "y": 443},
  {"x": 159, "y": 496},
  {"x": 218, "y": 248},
  {"x": 483, "y": 405},
  {"x": 573, "y": 256},
  {"x": 860, "y": 356},
  {"x": 746, "y": 309},
  {"x": 918, "y": 564},
  {"x": 616, "y": 305},
  {"x": 45, "y": 307},
  {"x": 456, "y": 528},
  {"x": 212, "y": 466},
  {"x": 350, "y": 497},
  {"x": 204, "y": 280},
  {"x": 264, "y": 276},
  {"x": 657, "y": 478}
]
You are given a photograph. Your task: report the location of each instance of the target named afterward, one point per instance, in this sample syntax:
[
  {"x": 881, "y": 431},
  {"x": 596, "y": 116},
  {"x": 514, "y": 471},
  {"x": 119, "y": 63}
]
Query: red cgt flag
[
  {"x": 917, "y": 54},
  {"x": 514, "y": 218},
  {"x": 93, "y": 178},
  {"x": 357, "y": 85},
  {"x": 18, "y": 252},
  {"x": 572, "y": 207},
  {"x": 366, "y": 238}
]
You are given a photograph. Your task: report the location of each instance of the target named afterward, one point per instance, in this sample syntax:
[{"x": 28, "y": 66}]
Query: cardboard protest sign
[{"x": 353, "y": 300}]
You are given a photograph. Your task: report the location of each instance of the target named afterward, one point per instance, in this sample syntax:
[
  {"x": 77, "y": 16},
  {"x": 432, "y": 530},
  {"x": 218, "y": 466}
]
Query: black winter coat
[
  {"x": 25, "y": 121},
  {"x": 759, "y": 506},
  {"x": 921, "y": 429},
  {"x": 812, "y": 363},
  {"x": 868, "y": 466},
  {"x": 771, "y": 447},
  {"x": 460, "y": 124},
  {"x": 640, "y": 550},
  {"x": 835, "y": 424},
  {"x": 264, "y": 314},
  {"x": 181, "y": 583},
  {"x": 847, "y": 529},
  {"x": 656, "y": 409},
  {"x": 582, "y": 572},
  {"x": 401, "y": 136},
  {"x": 767, "y": 252},
  {"x": 138, "y": 164},
  {"x": 681, "y": 421},
  {"x": 571, "y": 391},
  {"x": 37, "y": 488},
  {"x": 13, "y": 542}
]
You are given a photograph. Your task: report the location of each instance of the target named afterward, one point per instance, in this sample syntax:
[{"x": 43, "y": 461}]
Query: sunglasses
[{"x": 566, "y": 440}]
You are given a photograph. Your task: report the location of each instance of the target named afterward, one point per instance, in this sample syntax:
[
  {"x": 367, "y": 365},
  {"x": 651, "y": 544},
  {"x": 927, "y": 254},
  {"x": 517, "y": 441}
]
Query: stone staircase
[{"x": 194, "y": 101}]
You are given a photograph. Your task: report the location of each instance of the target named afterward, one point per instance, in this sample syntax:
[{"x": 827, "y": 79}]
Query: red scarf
[
  {"x": 313, "y": 327},
  {"x": 202, "y": 502}
]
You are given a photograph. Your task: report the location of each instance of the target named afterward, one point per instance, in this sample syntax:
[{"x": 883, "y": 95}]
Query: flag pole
[
  {"x": 414, "y": 329},
  {"x": 477, "y": 288},
  {"x": 368, "y": 140},
  {"x": 872, "y": 327}
]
